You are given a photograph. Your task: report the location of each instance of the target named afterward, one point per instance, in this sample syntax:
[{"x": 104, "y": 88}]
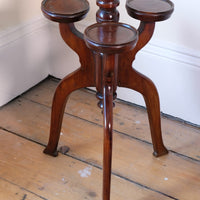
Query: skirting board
[
  {"x": 32, "y": 52},
  {"x": 176, "y": 73}
]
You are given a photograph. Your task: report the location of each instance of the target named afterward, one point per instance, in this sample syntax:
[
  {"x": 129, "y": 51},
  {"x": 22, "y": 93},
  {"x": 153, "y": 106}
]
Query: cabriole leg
[
  {"x": 74, "y": 81},
  {"x": 140, "y": 83}
]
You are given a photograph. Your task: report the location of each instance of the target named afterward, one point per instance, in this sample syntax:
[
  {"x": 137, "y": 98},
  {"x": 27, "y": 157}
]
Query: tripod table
[{"x": 106, "y": 51}]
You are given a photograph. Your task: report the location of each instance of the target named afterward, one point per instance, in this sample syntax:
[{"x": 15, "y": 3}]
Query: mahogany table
[{"x": 106, "y": 51}]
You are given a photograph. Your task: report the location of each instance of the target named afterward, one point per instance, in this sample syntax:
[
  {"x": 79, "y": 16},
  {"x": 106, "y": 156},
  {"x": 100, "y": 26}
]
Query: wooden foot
[
  {"x": 132, "y": 79},
  {"x": 107, "y": 155},
  {"x": 74, "y": 81}
]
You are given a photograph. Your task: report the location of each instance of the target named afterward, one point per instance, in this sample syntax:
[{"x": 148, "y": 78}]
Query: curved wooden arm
[
  {"x": 146, "y": 30},
  {"x": 74, "y": 39}
]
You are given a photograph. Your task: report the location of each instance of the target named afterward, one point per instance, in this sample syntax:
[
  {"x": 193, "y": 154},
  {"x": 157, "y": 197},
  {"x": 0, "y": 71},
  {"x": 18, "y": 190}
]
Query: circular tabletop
[
  {"x": 65, "y": 10},
  {"x": 150, "y": 10},
  {"x": 110, "y": 36}
]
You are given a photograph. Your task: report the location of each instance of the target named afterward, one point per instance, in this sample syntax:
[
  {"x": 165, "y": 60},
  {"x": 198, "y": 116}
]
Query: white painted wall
[
  {"x": 17, "y": 12},
  {"x": 24, "y": 47},
  {"x": 23, "y": 59},
  {"x": 171, "y": 59}
]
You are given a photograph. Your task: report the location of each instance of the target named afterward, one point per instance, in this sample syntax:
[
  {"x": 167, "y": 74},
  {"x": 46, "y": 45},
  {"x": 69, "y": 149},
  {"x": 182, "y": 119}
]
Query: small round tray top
[
  {"x": 110, "y": 37},
  {"x": 150, "y": 10},
  {"x": 65, "y": 11}
]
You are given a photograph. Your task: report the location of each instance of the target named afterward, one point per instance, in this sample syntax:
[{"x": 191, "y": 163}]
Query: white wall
[
  {"x": 171, "y": 59},
  {"x": 24, "y": 47},
  {"x": 17, "y": 12},
  {"x": 23, "y": 59}
]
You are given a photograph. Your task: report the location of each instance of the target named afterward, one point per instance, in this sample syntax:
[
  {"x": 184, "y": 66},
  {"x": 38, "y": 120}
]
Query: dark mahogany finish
[
  {"x": 107, "y": 41},
  {"x": 106, "y": 51},
  {"x": 150, "y": 10},
  {"x": 107, "y": 11},
  {"x": 111, "y": 37},
  {"x": 65, "y": 11}
]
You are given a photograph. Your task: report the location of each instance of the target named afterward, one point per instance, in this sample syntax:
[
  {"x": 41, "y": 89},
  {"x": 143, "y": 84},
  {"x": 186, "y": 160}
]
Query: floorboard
[{"x": 26, "y": 173}]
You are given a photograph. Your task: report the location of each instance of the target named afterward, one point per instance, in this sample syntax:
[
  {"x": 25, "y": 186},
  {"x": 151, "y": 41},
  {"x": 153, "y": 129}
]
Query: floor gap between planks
[{"x": 136, "y": 173}]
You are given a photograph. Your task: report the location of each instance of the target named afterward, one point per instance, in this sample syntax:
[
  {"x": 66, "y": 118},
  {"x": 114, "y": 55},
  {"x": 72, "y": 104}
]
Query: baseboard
[
  {"x": 175, "y": 70},
  {"x": 174, "y": 52},
  {"x": 14, "y": 33}
]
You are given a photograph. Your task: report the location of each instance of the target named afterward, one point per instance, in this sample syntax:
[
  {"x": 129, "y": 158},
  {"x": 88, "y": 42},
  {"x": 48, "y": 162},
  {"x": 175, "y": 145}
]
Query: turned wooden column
[
  {"x": 106, "y": 44},
  {"x": 107, "y": 11}
]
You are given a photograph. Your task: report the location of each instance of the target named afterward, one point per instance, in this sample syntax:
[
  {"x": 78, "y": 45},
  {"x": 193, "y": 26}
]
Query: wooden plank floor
[{"x": 27, "y": 173}]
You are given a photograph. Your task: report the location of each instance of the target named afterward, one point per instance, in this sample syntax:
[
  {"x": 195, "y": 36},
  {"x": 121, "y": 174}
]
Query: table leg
[
  {"x": 130, "y": 78},
  {"x": 108, "y": 123},
  {"x": 72, "y": 82}
]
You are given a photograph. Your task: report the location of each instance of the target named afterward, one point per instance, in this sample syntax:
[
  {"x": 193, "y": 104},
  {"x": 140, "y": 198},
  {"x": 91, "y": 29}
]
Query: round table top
[
  {"x": 150, "y": 10},
  {"x": 110, "y": 35},
  {"x": 65, "y": 10}
]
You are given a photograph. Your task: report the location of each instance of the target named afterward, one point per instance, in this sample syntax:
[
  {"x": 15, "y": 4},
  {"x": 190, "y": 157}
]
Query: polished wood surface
[
  {"x": 82, "y": 77},
  {"x": 108, "y": 135},
  {"x": 65, "y": 11},
  {"x": 111, "y": 37},
  {"x": 107, "y": 11},
  {"x": 106, "y": 41},
  {"x": 106, "y": 51},
  {"x": 150, "y": 10},
  {"x": 143, "y": 85}
]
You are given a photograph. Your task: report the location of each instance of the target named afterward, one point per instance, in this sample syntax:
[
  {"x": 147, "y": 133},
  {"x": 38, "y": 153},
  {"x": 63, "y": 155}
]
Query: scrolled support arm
[{"x": 146, "y": 30}]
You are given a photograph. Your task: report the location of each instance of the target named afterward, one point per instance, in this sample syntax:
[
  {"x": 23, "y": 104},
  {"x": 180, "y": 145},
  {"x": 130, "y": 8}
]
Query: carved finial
[{"x": 107, "y": 11}]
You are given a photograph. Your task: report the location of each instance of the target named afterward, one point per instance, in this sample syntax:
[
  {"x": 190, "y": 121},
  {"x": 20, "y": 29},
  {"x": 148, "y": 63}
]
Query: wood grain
[
  {"x": 10, "y": 191},
  {"x": 23, "y": 164},
  {"x": 128, "y": 119},
  {"x": 171, "y": 175}
]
